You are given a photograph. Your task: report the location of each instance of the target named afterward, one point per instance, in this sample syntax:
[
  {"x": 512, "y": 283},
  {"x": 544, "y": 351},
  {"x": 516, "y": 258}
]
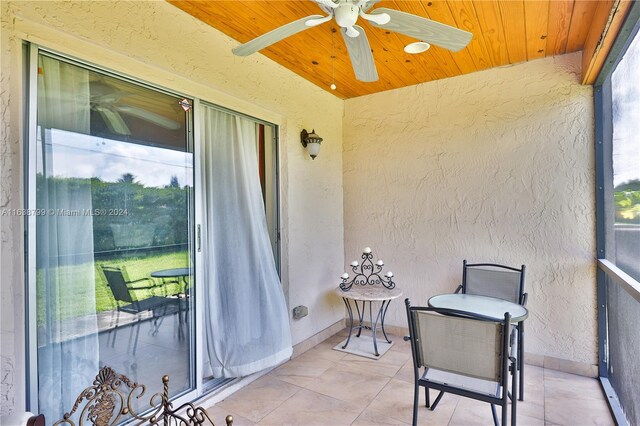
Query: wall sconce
[{"x": 311, "y": 141}]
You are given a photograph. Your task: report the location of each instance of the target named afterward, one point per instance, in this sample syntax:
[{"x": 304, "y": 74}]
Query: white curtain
[
  {"x": 65, "y": 282},
  {"x": 247, "y": 326}
]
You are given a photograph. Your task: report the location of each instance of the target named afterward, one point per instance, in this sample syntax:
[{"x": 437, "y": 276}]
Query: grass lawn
[{"x": 77, "y": 295}]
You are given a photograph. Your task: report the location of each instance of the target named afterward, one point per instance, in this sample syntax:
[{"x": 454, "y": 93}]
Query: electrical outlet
[{"x": 300, "y": 312}]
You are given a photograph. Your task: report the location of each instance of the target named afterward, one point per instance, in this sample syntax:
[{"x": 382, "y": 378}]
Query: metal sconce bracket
[{"x": 303, "y": 137}]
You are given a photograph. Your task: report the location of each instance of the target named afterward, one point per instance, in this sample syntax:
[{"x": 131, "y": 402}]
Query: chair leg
[
  {"x": 416, "y": 397},
  {"x": 426, "y": 397},
  {"x": 521, "y": 359},
  {"x": 514, "y": 384},
  {"x": 495, "y": 415},
  {"x": 135, "y": 343},
  {"x": 438, "y": 398},
  {"x": 115, "y": 330}
]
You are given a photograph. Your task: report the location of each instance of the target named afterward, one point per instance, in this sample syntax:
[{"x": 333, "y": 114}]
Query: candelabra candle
[{"x": 368, "y": 273}]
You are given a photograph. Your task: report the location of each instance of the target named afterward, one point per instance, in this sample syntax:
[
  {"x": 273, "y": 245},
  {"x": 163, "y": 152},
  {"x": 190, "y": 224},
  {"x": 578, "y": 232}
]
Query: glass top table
[
  {"x": 172, "y": 273},
  {"x": 481, "y": 305}
]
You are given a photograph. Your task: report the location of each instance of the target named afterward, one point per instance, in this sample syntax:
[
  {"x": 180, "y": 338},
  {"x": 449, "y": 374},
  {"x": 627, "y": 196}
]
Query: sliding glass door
[
  {"x": 115, "y": 248},
  {"x": 111, "y": 177}
]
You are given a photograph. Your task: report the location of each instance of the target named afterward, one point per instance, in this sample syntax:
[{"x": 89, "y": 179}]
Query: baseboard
[{"x": 560, "y": 364}]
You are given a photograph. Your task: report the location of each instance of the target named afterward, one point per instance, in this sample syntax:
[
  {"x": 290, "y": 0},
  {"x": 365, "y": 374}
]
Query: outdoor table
[
  {"x": 489, "y": 307},
  {"x": 368, "y": 294},
  {"x": 181, "y": 273},
  {"x": 481, "y": 305},
  {"x": 172, "y": 273}
]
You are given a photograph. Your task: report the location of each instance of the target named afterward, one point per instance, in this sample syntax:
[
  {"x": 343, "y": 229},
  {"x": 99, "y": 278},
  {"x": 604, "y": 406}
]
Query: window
[
  {"x": 617, "y": 107},
  {"x": 113, "y": 187},
  {"x": 625, "y": 88}
]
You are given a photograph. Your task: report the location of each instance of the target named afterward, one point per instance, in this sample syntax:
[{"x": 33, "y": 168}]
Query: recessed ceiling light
[{"x": 417, "y": 47}]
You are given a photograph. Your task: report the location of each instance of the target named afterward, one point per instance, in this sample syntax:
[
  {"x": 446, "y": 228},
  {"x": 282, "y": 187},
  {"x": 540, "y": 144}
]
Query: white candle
[
  {"x": 380, "y": 263},
  {"x": 354, "y": 263},
  {"x": 345, "y": 276},
  {"x": 389, "y": 274},
  {"x": 367, "y": 250}
]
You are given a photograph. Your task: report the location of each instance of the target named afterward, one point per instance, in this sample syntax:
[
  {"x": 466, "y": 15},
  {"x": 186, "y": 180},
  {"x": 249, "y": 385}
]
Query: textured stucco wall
[
  {"x": 158, "y": 43},
  {"x": 494, "y": 166}
]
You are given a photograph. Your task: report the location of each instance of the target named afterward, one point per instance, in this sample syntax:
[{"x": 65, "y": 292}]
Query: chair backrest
[
  {"x": 471, "y": 346},
  {"x": 117, "y": 284},
  {"x": 489, "y": 279}
]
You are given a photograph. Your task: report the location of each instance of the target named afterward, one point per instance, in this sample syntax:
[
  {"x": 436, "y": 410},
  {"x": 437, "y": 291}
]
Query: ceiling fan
[
  {"x": 105, "y": 100},
  {"x": 346, "y": 13}
]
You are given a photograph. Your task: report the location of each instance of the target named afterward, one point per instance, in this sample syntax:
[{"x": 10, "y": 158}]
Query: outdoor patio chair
[
  {"x": 124, "y": 292},
  {"x": 502, "y": 282},
  {"x": 465, "y": 355},
  {"x": 113, "y": 399}
]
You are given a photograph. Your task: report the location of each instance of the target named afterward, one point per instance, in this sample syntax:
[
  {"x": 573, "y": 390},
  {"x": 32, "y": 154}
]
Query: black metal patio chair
[
  {"x": 502, "y": 282},
  {"x": 124, "y": 292},
  {"x": 463, "y": 354}
]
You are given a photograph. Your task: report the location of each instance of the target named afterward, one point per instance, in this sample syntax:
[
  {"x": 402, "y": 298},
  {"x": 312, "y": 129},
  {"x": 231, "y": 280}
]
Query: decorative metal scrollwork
[
  {"x": 112, "y": 398},
  {"x": 369, "y": 273}
]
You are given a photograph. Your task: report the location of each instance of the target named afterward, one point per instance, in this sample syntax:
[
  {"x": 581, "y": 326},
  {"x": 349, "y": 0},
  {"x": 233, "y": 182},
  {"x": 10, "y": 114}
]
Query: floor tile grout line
[
  {"x": 373, "y": 399},
  {"x": 279, "y": 405}
]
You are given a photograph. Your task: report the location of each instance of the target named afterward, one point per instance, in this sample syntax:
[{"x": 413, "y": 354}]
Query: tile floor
[{"x": 326, "y": 387}]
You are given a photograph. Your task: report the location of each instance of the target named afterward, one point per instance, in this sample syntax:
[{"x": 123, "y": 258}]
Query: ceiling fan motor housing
[{"x": 346, "y": 14}]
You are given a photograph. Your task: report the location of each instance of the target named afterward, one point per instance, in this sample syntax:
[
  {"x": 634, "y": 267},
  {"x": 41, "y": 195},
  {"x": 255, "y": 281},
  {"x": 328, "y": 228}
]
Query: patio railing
[{"x": 619, "y": 351}]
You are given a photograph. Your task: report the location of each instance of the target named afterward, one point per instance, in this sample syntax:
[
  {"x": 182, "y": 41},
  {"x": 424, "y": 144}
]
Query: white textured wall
[
  {"x": 158, "y": 43},
  {"x": 494, "y": 166}
]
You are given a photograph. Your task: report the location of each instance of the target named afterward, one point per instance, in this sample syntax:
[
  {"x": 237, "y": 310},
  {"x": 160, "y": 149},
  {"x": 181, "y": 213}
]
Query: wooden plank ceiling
[{"x": 504, "y": 32}]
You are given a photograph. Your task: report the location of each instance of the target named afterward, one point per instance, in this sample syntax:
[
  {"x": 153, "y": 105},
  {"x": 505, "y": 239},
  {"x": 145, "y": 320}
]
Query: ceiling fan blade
[
  {"x": 352, "y": 32},
  {"x": 424, "y": 29},
  {"x": 152, "y": 117},
  {"x": 327, "y": 3},
  {"x": 378, "y": 18},
  {"x": 316, "y": 22},
  {"x": 361, "y": 56},
  {"x": 368, "y": 4},
  {"x": 273, "y": 36},
  {"x": 113, "y": 120}
]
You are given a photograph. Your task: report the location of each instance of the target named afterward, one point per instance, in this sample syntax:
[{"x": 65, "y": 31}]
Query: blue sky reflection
[{"x": 84, "y": 156}]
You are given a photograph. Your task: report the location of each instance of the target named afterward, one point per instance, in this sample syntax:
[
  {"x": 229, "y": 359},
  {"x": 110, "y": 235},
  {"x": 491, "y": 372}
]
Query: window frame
[
  {"x": 30, "y": 72},
  {"x": 605, "y": 208}
]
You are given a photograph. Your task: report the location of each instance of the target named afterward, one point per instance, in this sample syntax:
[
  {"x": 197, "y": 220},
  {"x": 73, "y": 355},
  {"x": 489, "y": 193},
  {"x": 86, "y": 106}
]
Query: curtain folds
[
  {"x": 246, "y": 318},
  {"x": 66, "y": 302}
]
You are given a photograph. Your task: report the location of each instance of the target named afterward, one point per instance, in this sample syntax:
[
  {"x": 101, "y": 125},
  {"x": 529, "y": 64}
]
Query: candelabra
[{"x": 369, "y": 273}]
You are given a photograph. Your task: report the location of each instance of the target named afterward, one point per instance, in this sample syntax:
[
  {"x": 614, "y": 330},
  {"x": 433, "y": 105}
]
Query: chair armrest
[
  {"x": 143, "y": 288},
  {"x": 523, "y": 302},
  {"x": 132, "y": 285},
  {"x": 140, "y": 280},
  {"x": 459, "y": 289}
]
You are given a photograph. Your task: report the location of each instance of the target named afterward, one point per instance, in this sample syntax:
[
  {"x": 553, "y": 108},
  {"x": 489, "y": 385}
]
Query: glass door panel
[{"x": 113, "y": 243}]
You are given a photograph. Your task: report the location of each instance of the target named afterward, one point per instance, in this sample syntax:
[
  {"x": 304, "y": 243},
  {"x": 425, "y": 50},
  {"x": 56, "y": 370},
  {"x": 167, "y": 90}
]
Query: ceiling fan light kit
[
  {"x": 417, "y": 47},
  {"x": 346, "y": 14}
]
